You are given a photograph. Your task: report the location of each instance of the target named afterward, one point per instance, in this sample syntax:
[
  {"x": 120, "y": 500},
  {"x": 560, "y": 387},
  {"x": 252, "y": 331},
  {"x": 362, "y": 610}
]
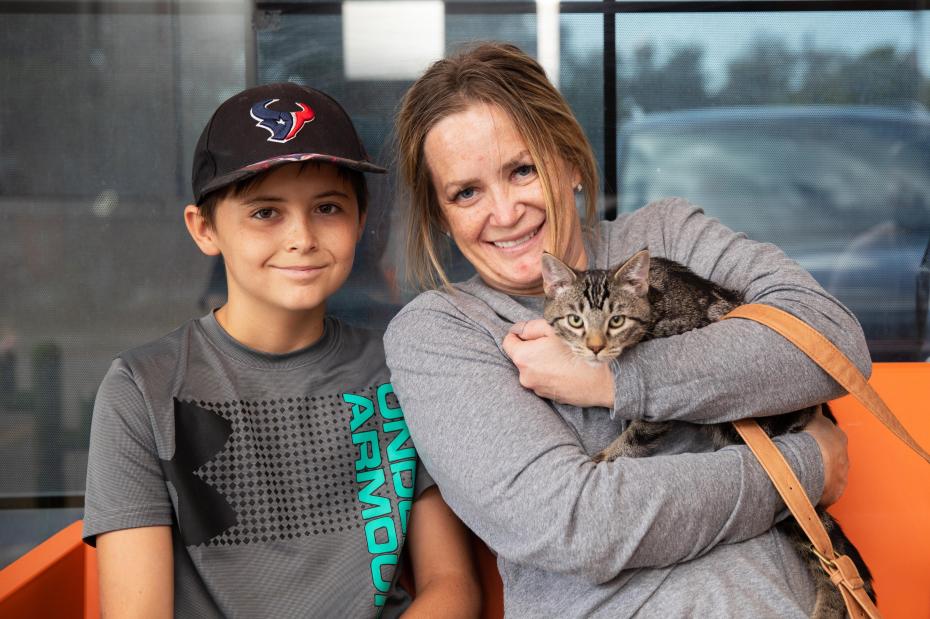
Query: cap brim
[{"x": 262, "y": 166}]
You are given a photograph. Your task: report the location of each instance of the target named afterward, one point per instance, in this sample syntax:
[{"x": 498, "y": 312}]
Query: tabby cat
[{"x": 602, "y": 313}]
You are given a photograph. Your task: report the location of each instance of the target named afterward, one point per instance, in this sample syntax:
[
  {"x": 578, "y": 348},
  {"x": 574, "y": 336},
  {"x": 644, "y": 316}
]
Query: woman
[{"x": 493, "y": 158}]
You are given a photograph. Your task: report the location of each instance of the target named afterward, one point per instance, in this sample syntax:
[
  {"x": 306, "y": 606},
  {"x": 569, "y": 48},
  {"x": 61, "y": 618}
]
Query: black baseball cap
[{"x": 270, "y": 125}]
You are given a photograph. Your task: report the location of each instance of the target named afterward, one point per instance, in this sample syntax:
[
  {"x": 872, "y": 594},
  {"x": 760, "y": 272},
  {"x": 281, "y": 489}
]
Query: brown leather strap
[
  {"x": 826, "y": 355},
  {"x": 786, "y": 482},
  {"x": 840, "y": 569},
  {"x": 843, "y": 574}
]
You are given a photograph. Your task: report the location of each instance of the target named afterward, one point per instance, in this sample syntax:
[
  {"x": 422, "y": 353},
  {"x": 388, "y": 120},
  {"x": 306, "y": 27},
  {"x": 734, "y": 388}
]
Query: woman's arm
[
  {"x": 728, "y": 370},
  {"x": 515, "y": 472},
  {"x": 734, "y": 368},
  {"x": 136, "y": 573},
  {"x": 443, "y": 565}
]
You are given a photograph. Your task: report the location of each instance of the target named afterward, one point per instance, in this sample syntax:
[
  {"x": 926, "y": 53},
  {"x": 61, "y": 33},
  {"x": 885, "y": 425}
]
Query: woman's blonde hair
[{"x": 502, "y": 75}]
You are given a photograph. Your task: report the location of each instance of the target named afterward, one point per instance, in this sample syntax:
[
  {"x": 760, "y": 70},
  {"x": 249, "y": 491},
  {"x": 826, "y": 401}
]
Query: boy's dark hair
[{"x": 207, "y": 206}]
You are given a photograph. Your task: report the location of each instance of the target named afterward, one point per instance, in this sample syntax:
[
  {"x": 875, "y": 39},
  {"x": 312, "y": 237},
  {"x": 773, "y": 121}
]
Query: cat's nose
[{"x": 595, "y": 347}]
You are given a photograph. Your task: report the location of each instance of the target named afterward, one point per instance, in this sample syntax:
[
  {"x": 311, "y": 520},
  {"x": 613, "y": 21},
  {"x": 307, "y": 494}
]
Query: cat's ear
[
  {"x": 633, "y": 275},
  {"x": 556, "y": 275}
]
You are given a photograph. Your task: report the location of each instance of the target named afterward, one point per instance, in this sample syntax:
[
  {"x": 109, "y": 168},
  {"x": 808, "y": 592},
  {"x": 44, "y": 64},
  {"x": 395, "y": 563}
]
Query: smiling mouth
[
  {"x": 517, "y": 242},
  {"x": 300, "y": 272}
]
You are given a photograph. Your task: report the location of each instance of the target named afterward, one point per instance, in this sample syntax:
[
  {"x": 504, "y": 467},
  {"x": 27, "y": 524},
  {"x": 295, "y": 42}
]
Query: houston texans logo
[{"x": 283, "y": 126}]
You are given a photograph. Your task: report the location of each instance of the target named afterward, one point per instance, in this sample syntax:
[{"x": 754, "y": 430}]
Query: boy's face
[{"x": 289, "y": 241}]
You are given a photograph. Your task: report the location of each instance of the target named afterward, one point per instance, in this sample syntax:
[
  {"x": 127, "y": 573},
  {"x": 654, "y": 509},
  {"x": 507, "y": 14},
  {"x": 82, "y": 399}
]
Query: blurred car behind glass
[{"x": 844, "y": 190}]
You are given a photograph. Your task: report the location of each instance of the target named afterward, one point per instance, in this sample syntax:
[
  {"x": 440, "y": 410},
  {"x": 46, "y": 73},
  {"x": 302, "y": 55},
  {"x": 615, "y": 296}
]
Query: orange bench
[
  {"x": 57, "y": 578},
  {"x": 886, "y": 511},
  {"x": 886, "y": 507}
]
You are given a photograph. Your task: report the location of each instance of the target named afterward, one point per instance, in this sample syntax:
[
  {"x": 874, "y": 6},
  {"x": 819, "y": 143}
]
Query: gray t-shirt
[
  {"x": 287, "y": 480},
  {"x": 686, "y": 533}
]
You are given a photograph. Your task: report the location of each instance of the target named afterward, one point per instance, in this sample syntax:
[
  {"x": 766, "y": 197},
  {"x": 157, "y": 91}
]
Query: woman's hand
[
  {"x": 832, "y": 442},
  {"x": 549, "y": 368}
]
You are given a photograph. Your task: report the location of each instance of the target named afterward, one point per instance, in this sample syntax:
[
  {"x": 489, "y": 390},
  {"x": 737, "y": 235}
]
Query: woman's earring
[{"x": 578, "y": 188}]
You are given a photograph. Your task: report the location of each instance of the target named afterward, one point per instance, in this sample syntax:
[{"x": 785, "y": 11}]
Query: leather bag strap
[
  {"x": 839, "y": 568},
  {"x": 835, "y": 363}
]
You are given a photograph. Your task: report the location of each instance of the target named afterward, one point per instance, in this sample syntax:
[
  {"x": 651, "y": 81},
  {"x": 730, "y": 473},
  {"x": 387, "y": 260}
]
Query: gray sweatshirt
[{"x": 685, "y": 533}]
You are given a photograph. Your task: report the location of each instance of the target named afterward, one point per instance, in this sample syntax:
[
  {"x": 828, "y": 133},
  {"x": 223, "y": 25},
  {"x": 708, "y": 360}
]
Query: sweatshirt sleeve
[
  {"x": 734, "y": 368},
  {"x": 516, "y": 474}
]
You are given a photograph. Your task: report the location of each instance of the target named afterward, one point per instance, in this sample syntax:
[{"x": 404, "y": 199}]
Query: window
[
  {"x": 795, "y": 132},
  {"x": 757, "y": 116},
  {"x": 100, "y": 107}
]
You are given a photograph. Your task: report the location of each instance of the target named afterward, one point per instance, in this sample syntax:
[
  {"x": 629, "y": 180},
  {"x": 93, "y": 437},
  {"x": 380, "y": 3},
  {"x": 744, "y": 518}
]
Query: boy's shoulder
[
  {"x": 160, "y": 352},
  {"x": 142, "y": 372},
  {"x": 139, "y": 377}
]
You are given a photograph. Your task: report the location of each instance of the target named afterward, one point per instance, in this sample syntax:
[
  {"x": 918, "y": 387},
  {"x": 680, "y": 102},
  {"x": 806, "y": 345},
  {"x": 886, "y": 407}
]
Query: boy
[{"x": 255, "y": 462}]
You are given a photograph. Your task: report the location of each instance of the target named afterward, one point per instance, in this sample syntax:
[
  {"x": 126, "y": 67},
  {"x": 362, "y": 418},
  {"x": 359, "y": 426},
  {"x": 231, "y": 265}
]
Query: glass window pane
[
  {"x": 99, "y": 113},
  {"x": 464, "y": 29},
  {"x": 808, "y": 130},
  {"x": 581, "y": 76}
]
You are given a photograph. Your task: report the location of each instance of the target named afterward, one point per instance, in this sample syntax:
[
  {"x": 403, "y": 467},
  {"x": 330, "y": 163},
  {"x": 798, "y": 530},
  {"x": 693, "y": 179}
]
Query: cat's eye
[
  {"x": 617, "y": 321},
  {"x": 575, "y": 321}
]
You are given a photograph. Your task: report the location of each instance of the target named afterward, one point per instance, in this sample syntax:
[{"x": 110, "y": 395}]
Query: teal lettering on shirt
[
  {"x": 369, "y": 455},
  {"x": 385, "y": 452},
  {"x": 362, "y": 409},
  {"x": 366, "y": 495}
]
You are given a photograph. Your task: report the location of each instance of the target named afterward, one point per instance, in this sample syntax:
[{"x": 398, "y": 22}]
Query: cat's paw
[{"x": 602, "y": 456}]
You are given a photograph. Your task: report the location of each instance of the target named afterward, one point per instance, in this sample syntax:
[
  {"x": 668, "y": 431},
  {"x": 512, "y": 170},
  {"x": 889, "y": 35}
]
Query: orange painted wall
[{"x": 886, "y": 507}]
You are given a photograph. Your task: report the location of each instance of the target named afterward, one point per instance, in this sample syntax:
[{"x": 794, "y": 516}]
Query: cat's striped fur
[{"x": 601, "y": 313}]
